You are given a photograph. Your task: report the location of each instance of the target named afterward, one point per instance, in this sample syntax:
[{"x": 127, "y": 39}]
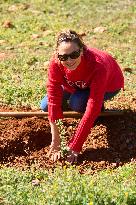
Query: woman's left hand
[{"x": 72, "y": 156}]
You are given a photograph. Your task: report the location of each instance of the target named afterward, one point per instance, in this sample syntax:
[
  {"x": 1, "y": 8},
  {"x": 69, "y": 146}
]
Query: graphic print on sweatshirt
[{"x": 77, "y": 84}]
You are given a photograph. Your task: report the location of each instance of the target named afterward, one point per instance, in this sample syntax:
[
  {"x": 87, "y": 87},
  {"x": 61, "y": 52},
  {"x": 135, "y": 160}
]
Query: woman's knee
[
  {"x": 78, "y": 101},
  {"x": 44, "y": 104}
]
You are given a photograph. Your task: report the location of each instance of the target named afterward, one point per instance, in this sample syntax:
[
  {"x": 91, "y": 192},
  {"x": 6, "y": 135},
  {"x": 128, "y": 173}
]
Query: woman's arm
[
  {"x": 54, "y": 92},
  {"x": 55, "y": 144},
  {"x": 55, "y": 134},
  {"x": 93, "y": 108}
]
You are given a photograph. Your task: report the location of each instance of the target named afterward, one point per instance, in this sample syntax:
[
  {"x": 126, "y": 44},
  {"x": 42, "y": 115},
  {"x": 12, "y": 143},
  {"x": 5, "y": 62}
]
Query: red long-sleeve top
[{"x": 97, "y": 71}]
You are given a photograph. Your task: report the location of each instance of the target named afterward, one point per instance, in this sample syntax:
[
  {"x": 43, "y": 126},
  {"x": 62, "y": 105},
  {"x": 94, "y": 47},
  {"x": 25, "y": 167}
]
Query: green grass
[
  {"x": 67, "y": 186},
  {"x": 24, "y": 67},
  {"x": 23, "y": 75}
]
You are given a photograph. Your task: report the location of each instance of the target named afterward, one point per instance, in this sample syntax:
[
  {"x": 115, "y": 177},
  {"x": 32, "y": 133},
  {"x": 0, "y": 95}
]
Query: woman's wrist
[
  {"x": 55, "y": 144},
  {"x": 54, "y": 131},
  {"x": 72, "y": 151}
]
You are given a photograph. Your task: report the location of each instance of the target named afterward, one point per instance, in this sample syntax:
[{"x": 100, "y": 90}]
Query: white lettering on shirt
[{"x": 80, "y": 84}]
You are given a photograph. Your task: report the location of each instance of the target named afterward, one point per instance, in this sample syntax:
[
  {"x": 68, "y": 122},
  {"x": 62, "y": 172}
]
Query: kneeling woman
[{"x": 84, "y": 76}]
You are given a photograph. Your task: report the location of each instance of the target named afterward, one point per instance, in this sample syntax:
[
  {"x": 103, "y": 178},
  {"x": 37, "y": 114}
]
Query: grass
[
  {"x": 67, "y": 186},
  {"x": 23, "y": 74},
  {"x": 25, "y": 64}
]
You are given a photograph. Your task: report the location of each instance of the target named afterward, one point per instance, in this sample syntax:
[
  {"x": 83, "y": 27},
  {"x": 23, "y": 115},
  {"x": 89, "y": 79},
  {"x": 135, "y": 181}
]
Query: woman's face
[{"x": 67, "y": 48}]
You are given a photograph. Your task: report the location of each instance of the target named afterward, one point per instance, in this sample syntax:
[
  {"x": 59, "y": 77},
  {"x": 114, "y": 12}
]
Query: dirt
[{"x": 111, "y": 143}]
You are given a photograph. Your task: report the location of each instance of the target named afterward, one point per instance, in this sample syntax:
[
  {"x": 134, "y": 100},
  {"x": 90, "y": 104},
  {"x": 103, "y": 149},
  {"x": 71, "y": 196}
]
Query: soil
[{"x": 110, "y": 144}]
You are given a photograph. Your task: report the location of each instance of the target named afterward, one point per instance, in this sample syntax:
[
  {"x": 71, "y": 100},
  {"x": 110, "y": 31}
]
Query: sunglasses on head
[{"x": 73, "y": 55}]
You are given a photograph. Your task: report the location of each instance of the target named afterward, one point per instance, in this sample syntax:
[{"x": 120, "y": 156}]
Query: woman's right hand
[{"x": 54, "y": 152}]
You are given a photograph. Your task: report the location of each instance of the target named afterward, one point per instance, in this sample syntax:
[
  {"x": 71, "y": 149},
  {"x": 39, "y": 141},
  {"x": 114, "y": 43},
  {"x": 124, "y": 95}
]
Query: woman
[{"x": 84, "y": 76}]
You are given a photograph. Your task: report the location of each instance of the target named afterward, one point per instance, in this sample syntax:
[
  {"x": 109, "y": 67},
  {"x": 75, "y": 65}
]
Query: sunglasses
[{"x": 73, "y": 55}]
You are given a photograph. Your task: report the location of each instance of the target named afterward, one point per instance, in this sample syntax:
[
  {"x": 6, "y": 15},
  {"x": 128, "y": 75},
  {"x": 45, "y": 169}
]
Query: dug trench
[{"x": 110, "y": 144}]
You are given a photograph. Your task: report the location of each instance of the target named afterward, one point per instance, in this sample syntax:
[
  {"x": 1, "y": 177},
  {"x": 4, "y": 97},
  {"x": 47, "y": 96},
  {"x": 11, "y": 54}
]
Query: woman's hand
[
  {"x": 54, "y": 152},
  {"x": 72, "y": 156}
]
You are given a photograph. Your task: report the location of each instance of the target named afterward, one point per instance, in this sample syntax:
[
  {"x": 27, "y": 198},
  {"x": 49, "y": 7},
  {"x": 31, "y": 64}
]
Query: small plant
[{"x": 63, "y": 137}]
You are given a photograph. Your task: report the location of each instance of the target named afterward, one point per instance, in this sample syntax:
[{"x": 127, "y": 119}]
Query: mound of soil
[{"x": 111, "y": 143}]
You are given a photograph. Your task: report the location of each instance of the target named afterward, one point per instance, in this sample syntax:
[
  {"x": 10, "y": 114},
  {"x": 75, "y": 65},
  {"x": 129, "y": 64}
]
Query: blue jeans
[{"x": 77, "y": 100}]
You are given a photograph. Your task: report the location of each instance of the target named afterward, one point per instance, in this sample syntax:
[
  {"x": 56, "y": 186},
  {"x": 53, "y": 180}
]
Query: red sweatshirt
[{"x": 97, "y": 71}]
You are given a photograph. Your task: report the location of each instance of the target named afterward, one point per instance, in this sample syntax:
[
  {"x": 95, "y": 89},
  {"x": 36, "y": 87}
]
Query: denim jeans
[{"x": 77, "y": 101}]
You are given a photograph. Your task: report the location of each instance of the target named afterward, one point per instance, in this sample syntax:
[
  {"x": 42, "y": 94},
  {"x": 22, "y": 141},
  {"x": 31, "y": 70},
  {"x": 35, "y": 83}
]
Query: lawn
[{"x": 27, "y": 41}]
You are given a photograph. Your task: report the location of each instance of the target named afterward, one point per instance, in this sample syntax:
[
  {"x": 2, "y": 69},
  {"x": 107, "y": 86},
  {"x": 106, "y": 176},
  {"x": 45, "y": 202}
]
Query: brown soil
[{"x": 25, "y": 142}]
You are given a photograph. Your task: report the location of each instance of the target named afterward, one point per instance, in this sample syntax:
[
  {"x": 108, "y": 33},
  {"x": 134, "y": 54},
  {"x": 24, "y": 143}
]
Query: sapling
[{"x": 62, "y": 132}]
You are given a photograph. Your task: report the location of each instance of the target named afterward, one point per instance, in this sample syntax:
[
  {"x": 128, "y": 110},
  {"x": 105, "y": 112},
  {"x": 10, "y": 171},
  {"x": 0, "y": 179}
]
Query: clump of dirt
[{"x": 111, "y": 143}]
